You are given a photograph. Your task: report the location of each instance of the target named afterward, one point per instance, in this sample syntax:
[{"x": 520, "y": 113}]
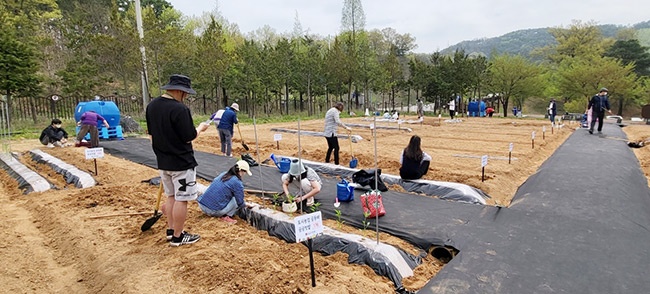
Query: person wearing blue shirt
[
  {"x": 225, "y": 195},
  {"x": 225, "y": 127}
]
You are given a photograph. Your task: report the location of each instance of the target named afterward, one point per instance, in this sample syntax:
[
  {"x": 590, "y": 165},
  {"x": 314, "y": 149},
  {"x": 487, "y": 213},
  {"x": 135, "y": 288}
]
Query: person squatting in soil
[
  {"x": 89, "y": 121},
  {"x": 225, "y": 127},
  {"x": 414, "y": 162},
  {"x": 303, "y": 182},
  {"x": 332, "y": 123},
  {"x": 169, "y": 122},
  {"x": 598, "y": 104},
  {"x": 54, "y": 135},
  {"x": 225, "y": 195}
]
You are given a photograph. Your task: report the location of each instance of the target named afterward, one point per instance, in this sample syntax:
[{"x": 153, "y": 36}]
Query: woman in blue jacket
[{"x": 225, "y": 195}]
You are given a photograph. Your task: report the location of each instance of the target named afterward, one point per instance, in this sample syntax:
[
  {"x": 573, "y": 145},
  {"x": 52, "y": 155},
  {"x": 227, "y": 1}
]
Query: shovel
[
  {"x": 354, "y": 161},
  {"x": 156, "y": 215},
  {"x": 242, "y": 139}
]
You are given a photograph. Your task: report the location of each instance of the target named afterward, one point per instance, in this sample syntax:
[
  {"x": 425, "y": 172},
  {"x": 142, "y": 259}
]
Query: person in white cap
[
  {"x": 304, "y": 182},
  {"x": 225, "y": 127},
  {"x": 169, "y": 122},
  {"x": 225, "y": 195}
]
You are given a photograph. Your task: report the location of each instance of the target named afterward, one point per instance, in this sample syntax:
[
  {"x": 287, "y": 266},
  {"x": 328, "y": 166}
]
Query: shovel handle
[{"x": 160, "y": 192}]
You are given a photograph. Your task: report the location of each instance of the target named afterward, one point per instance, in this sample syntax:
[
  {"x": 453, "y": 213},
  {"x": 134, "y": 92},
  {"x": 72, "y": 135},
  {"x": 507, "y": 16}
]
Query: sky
[{"x": 435, "y": 25}]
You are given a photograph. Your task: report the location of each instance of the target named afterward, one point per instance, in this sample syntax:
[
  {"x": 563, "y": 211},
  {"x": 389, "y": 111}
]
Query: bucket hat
[
  {"x": 603, "y": 90},
  {"x": 179, "y": 82},
  {"x": 235, "y": 106},
  {"x": 296, "y": 168},
  {"x": 243, "y": 165}
]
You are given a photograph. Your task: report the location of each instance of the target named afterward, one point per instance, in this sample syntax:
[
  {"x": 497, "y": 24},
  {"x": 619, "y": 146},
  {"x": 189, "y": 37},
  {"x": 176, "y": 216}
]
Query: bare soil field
[{"x": 57, "y": 241}]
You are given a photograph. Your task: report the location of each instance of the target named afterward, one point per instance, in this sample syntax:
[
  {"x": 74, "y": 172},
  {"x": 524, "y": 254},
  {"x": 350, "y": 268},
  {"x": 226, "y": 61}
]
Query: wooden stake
[{"x": 119, "y": 214}]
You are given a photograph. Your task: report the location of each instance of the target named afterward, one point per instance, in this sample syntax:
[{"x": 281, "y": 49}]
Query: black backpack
[
  {"x": 367, "y": 178},
  {"x": 249, "y": 159}
]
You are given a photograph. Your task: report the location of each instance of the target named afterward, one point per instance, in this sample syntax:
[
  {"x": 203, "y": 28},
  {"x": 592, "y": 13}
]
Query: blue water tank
[{"x": 107, "y": 109}]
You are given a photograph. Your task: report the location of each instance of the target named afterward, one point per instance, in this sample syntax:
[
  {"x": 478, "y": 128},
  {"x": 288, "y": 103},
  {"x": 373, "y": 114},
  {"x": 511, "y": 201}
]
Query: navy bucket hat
[{"x": 179, "y": 82}]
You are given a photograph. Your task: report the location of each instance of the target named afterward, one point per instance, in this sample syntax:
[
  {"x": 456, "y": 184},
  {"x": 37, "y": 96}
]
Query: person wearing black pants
[
  {"x": 332, "y": 145},
  {"x": 415, "y": 162},
  {"x": 598, "y": 104},
  {"x": 332, "y": 123}
]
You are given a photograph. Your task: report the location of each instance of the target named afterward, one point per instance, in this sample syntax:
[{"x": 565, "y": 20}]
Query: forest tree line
[{"x": 81, "y": 50}]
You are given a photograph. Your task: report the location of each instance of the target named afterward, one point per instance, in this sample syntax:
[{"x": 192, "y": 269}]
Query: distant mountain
[{"x": 522, "y": 42}]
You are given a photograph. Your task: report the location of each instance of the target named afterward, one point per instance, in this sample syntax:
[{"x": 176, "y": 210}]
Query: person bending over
[
  {"x": 225, "y": 195},
  {"x": 304, "y": 183},
  {"x": 89, "y": 122},
  {"x": 414, "y": 161}
]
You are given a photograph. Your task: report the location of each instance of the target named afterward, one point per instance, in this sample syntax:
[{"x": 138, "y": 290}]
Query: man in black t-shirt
[{"x": 169, "y": 122}]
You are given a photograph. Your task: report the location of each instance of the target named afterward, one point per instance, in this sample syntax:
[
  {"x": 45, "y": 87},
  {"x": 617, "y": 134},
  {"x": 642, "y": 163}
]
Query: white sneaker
[
  {"x": 50, "y": 145},
  {"x": 58, "y": 144}
]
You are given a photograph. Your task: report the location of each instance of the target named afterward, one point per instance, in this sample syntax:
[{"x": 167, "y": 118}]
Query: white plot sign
[
  {"x": 277, "y": 137},
  {"x": 92, "y": 153},
  {"x": 308, "y": 226},
  {"x": 484, "y": 160}
]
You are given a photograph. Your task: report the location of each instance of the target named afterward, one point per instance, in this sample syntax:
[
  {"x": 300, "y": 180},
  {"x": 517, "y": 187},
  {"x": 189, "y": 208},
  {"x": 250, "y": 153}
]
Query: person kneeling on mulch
[{"x": 225, "y": 195}]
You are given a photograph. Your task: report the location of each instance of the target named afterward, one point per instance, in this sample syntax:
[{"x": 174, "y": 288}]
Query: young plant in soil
[
  {"x": 365, "y": 221},
  {"x": 315, "y": 206},
  {"x": 339, "y": 221},
  {"x": 276, "y": 196}
]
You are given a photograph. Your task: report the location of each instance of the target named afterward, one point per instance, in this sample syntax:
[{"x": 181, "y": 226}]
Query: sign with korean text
[
  {"x": 92, "y": 153},
  {"x": 308, "y": 226},
  {"x": 277, "y": 137}
]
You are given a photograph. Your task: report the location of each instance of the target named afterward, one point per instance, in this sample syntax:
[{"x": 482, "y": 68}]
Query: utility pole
[{"x": 143, "y": 73}]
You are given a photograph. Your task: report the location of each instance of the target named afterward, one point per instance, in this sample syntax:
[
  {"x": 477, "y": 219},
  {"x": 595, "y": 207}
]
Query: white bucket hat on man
[{"x": 235, "y": 106}]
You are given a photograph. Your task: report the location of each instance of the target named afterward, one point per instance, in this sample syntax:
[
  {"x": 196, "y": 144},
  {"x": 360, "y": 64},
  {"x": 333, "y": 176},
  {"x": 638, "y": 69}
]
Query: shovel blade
[
  {"x": 151, "y": 221},
  {"x": 354, "y": 162}
]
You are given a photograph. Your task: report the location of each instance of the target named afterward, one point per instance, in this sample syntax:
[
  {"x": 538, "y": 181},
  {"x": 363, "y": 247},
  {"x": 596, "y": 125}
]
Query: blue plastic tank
[{"x": 107, "y": 109}]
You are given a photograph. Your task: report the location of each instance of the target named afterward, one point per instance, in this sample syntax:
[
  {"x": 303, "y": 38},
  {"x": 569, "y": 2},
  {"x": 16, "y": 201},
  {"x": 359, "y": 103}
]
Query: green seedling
[
  {"x": 276, "y": 203},
  {"x": 315, "y": 207},
  {"x": 339, "y": 221},
  {"x": 365, "y": 221}
]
